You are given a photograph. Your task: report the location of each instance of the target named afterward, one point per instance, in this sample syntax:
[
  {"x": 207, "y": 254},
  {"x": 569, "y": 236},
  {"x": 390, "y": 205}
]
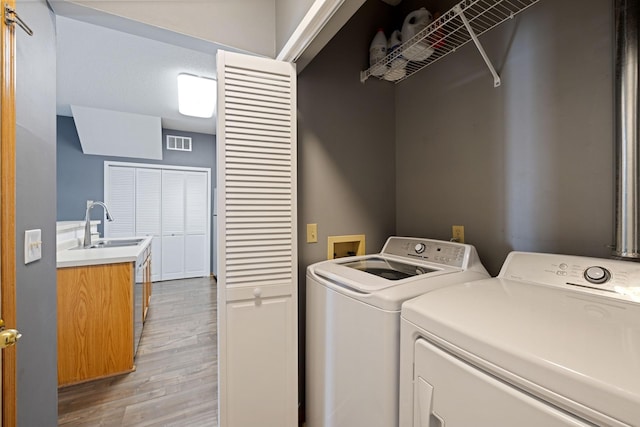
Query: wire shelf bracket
[{"x": 464, "y": 22}]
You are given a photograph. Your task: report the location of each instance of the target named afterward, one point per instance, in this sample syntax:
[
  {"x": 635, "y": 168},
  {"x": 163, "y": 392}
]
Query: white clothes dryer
[
  {"x": 353, "y": 325},
  {"x": 554, "y": 340}
]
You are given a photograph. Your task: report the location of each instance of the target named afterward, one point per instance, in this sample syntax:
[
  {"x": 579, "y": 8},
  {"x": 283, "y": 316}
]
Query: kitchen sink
[{"x": 116, "y": 243}]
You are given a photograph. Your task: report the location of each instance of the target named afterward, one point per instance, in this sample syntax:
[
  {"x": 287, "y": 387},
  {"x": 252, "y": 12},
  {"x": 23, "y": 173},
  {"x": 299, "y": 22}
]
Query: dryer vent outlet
[{"x": 343, "y": 246}]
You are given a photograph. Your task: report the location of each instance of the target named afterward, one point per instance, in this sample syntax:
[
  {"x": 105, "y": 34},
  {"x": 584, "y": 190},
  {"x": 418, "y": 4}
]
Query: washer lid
[
  {"x": 388, "y": 269},
  {"x": 562, "y": 345},
  {"x": 373, "y": 273}
]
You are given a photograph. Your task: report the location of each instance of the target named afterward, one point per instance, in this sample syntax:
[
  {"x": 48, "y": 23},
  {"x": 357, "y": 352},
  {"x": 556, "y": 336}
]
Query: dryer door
[{"x": 449, "y": 392}]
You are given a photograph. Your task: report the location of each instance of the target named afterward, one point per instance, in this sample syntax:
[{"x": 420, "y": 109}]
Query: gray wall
[
  {"x": 346, "y": 166},
  {"x": 528, "y": 165},
  {"x": 80, "y": 176},
  {"x": 35, "y": 208}
]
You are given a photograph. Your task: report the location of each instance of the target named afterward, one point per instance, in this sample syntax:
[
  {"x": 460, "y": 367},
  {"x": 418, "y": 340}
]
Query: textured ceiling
[{"x": 104, "y": 68}]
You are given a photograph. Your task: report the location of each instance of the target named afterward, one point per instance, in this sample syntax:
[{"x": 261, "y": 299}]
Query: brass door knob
[{"x": 9, "y": 337}]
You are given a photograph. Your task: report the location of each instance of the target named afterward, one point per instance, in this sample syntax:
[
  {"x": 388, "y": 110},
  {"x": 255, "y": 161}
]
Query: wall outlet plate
[
  {"x": 32, "y": 245},
  {"x": 457, "y": 233}
]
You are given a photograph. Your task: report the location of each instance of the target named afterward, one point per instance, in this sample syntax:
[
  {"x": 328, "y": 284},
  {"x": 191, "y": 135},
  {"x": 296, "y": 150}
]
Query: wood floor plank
[{"x": 176, "y": 380}]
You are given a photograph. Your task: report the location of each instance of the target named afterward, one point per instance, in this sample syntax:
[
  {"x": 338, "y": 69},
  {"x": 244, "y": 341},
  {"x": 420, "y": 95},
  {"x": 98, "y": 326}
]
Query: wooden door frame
[{"x": 8, "y": 210}]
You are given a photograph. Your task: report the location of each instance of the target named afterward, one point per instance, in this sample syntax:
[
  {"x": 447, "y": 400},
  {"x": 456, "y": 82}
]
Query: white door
[
  {"x": 257, "y": 252},
  {"x": 196, "y": 244},
  {"x": 120, "y": 197},
  {"x": 173, "y": 227},
  {"x": 170, "y": 203},
  {"x": 148, "y": 213}
]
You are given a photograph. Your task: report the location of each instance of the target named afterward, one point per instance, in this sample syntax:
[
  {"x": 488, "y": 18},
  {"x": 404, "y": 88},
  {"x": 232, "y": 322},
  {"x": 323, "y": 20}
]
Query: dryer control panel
[
  {"x": 616, "y": 278},
  {"x": 436, "y": 251}
]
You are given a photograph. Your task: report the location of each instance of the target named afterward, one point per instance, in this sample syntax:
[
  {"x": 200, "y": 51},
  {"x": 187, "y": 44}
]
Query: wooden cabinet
[{"x": 95, "y": 321}]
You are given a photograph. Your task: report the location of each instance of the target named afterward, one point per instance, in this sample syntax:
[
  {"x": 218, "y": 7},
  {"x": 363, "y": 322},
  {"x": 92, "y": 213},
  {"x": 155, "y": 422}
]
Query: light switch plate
[
  {"x": 312, "y": 233},
  {"x": 32, "y": 245}
]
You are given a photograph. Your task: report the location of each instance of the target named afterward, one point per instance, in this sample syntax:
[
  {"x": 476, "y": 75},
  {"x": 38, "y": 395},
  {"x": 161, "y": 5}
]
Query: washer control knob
[
  {"x": 596, "y": 275},
  {"x": 420, "y": 247}
]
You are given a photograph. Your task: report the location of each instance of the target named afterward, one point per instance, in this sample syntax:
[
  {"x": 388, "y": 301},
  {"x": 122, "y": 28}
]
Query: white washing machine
[
  {"x": 353, "y": 326},
  {"x": 554, "y": 340}
]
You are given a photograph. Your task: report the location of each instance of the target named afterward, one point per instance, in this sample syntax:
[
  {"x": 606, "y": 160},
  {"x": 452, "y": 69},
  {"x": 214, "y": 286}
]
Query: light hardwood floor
[{"x": 176, "y": 379}]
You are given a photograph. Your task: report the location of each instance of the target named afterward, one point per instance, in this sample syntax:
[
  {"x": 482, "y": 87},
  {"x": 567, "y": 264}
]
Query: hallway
[{"x": 176, "y": 379}]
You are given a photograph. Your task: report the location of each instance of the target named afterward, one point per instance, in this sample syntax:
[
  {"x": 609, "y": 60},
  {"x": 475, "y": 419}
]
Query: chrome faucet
[{"x": 87, "y": 222}]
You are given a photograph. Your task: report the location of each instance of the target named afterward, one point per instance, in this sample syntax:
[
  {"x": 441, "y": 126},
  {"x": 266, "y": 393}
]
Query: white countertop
[{"x": 79, "y": 257}]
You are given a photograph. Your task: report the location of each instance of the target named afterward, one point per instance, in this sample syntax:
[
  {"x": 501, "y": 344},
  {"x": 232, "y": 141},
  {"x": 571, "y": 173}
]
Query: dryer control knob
[
  {"x": 420, "y": 247},
  {"x": 596, "y": 275}
]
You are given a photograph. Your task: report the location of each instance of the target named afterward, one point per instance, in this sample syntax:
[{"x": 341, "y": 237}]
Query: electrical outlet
[
  {"x": 312, "y": 233},
  {"x": 457, "y": 233},
  {"x": 89, "y": 203}
]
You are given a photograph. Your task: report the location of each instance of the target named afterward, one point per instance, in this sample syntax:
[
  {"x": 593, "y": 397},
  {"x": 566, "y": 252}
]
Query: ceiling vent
[{"x": 179, "y": 143}]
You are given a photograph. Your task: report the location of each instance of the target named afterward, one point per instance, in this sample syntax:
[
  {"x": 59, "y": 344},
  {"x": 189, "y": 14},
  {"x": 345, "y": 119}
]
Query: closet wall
[
  {"x": 526, "y": 166},
  {"x": 346, "y": 166}
]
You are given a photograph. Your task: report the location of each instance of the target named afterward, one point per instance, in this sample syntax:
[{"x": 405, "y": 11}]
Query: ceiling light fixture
[{"x": 196, "y": 95}]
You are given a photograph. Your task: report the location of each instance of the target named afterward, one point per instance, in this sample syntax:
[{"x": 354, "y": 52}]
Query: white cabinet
[{"x": 171, "y": 204}]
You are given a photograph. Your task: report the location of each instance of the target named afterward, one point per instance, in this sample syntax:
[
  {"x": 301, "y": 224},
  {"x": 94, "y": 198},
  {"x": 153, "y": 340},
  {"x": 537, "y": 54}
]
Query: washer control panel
[
  {"x": 612, "y": 276},
  {"x": 438, "y": 251}
]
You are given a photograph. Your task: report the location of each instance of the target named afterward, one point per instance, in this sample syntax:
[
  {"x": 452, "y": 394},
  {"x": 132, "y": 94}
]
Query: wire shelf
[{"x": 459, "y": 25}]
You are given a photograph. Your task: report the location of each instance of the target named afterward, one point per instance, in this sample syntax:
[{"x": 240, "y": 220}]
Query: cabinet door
[
  {"x": 146, "y": 282},
  {"x": 173, "y": 219},
  {"x": 196, "y": 224},
  {"x": 156, "y": 253},
  {"x": 120, "y": 198}
]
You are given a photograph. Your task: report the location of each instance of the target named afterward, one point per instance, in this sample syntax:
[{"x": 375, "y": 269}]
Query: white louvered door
[
  {"x": 257, "y": 246},
  {"x": 170, "y": 203},
  {"x": 148, "y": 213},
  {"x": 120, "y": 198},
  {"x": 196, "y": 239},
  {"x": 172, "y": 224}
]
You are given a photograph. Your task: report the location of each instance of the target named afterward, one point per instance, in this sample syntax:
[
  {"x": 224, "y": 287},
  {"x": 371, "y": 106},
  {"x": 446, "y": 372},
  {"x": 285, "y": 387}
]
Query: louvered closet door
[
  {"x": 196, "y": 242},
  {"x": 172, "y": 224},
  {"x": 257, "y": 253},
  {"x": 148, "y": 213},
  {"x": 120, "y": 198}
]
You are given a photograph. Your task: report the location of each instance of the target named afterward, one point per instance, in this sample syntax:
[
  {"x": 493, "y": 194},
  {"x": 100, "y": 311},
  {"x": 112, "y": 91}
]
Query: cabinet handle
[{"x": 257, "y": 292}]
